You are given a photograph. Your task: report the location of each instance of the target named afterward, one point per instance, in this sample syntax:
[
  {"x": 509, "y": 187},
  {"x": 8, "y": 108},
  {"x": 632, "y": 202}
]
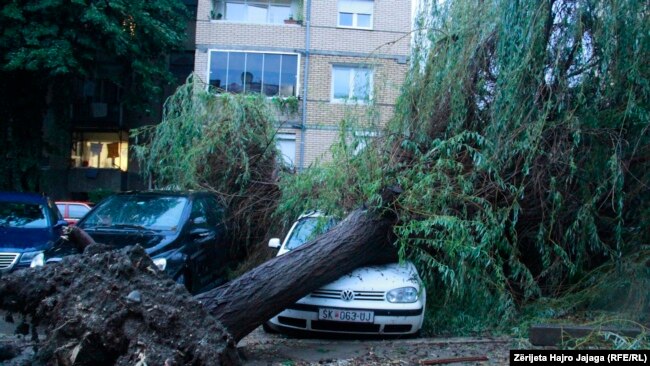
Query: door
[{"x": 205, "y": 234}]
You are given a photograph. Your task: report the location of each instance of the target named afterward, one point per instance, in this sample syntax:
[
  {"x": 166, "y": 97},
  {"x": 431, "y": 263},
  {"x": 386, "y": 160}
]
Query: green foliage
[
  {"x": 521, "y": 144},
  {"x": 286, "y": 105},
  {"x": 56, "y": 38},
  {"x": 529, "y": 142},
  {"x": 219, "y": 142},
  {"x": 46, "y": 45},
  {"x": 352, "y": 176}
]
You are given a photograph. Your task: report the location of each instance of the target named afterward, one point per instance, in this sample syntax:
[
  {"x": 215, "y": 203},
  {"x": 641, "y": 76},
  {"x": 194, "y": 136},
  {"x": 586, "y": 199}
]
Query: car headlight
[
  {"x": 26, "y": 257},
  {"x": 161, "y": 263},
  {"x": 38, "y": 260},
  {"x": 402, "y": 295}
]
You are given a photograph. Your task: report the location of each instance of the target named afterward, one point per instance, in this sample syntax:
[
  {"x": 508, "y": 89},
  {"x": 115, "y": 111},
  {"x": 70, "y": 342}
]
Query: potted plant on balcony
[
  {"x": 214, "y": 14},
  {"x": 290, "y": 20}
]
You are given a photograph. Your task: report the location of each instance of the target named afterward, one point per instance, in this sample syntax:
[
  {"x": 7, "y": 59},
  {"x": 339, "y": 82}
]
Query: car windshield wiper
[
  {"x": 118, "y": 226},
  {"x": 129, "y": 226}
]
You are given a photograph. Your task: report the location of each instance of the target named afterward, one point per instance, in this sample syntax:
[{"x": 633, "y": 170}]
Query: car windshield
[
  {"x": 307, "y": 229},
  {"x": 23, "y": 215},
  {"x": 138, "y": 211}
]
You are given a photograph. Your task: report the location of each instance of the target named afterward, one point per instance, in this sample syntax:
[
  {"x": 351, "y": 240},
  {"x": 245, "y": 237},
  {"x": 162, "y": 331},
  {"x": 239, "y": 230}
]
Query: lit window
[
  {"x": 355, "y": 13},
  {"x": 100, "y": 150},
  {"x": 286, "y": 144},
  {"x": 351, "y": 83},
  {"x": 258, "y": 11},
  {"x": 271, "y": 74}
]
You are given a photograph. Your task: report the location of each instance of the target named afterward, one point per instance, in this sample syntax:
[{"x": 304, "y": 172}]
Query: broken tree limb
[
  {"x": 80, "y": 238},
  {"x": 363, "y": 238}
]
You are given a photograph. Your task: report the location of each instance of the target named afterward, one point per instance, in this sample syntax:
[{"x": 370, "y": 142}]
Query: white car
[{"x": 387, "y": 299}]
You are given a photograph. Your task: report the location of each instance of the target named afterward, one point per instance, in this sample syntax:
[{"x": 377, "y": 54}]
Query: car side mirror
[
  {"x": 274, "y": 243},
  {"x": 61, "y": 223}
]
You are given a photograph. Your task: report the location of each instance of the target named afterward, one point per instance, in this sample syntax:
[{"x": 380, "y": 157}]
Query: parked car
[
  {"x": 387, "y": 299},
  {"x": 183, "y": 232},
  {"x": 72, "y": 211},
  {"x": 29, "y": 224}
]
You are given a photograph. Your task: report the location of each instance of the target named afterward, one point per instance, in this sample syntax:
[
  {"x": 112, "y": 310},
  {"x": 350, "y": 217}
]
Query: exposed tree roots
[{"x": 114, "y": 308}]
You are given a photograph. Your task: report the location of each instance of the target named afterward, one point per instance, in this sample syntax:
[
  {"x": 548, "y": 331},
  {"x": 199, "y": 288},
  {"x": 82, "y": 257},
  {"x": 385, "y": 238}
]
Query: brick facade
[{"x": 384, "y": 49}]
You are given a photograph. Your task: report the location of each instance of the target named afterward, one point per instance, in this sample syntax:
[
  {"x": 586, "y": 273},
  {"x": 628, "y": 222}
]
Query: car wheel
[{"x": 267, "y": 328}]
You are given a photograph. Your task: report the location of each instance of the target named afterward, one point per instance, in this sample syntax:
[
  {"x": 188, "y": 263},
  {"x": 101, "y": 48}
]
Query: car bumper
[{"x": 304, "y": 317}]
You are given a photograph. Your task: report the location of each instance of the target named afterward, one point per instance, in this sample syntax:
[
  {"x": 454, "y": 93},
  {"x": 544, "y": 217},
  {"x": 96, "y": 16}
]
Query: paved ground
[{"x": 260, "y": 348}]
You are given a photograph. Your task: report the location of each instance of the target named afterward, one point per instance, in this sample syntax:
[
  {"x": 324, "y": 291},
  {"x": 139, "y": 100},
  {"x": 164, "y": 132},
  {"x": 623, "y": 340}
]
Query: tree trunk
[
  {"x": 241, "y": 305},
  {"x": 113, "y": 307}
]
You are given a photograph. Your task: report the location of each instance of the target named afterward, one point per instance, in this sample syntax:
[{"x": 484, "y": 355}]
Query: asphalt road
[{"x": 263, "y": 349}]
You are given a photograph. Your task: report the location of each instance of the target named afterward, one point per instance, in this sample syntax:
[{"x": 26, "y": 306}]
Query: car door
[
  {"x": 202, "y": 235},
  {"x": 220, "y": 250}
]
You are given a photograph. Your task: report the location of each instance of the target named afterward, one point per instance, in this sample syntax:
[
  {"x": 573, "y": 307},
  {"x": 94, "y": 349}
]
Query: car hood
[
  {"x": 152, "y": 242},
  {"x": 123, "y": 238},
  {"x": 21, "y": 239},
  {"x": 378, "y": 278}
]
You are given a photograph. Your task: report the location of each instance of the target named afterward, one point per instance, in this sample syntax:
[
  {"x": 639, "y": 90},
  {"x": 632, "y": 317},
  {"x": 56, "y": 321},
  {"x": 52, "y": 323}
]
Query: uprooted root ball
[{"x": 114, "y": 308}]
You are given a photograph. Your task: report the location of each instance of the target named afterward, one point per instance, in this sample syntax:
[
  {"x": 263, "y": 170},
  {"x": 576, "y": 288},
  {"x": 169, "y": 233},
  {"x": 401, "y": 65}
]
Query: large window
[
  {"x": 270, "y": 74},
  {"x": 258, "y": 11},
  {"x": 356, "y": 13},
  {"x": 100, "y": 150},
  {"x": 351, "y": 84}
]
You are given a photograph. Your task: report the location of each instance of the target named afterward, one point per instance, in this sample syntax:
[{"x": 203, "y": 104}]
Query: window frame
[
  {"x": 351, "y": 99},
  {"x": 286, "y": 136},
  {"x": 82, "y": 156},
  {"x": 355, "y": 16},
  {"x": 298, "y": 59},
  {"x": 247, "y": 3}
]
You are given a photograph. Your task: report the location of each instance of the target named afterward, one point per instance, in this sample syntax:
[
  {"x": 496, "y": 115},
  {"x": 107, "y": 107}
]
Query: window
[
  {"x": 152, "y": 212},
  {"x": 23, "y": 215},
  {"x": 355, "y": 13},
  {"x": 351, "y": 83},
  {"x": 271, "y": 74},
  {"x": 100, "y": 150},
  {"x": 77, "y": 211},
  {"x": 208, "y": 209},
  {"x": 286, "y": 144},
  {"x": 258, "y": 11}
]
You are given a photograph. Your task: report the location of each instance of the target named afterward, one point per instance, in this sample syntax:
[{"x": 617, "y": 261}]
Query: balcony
[
  {"x": 97, "y": 115},
  {"x": 257, "y": 11}
]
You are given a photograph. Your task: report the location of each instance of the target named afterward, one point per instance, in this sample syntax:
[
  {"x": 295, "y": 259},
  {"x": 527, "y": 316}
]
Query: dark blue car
[
  {"x": 29, "y": 224},
  {"x": 183, "y": 232}
]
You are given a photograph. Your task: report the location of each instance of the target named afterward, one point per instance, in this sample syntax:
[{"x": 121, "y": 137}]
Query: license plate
[{"x": 342, "y": 315}]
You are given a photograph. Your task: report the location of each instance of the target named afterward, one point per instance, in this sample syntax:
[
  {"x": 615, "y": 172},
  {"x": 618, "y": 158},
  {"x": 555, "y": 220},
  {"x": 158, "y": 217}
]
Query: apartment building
[
  {"x": 336, "y": 58},
  {"x": 95, "y": 156}
]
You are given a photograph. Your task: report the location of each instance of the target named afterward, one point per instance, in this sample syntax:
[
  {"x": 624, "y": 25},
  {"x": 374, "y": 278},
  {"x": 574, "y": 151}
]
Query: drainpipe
[{"x": 305, "y": 79}]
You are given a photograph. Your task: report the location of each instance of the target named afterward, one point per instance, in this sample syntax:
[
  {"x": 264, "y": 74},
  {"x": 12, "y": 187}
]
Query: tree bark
[
  {"x": 241, "y": 305},
  {"x": 114, "y": 308}
]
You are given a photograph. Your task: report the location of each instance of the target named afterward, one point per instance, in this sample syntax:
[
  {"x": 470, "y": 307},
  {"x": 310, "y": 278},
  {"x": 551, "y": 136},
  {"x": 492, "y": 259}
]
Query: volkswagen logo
[{"x": 347, "y": 295}]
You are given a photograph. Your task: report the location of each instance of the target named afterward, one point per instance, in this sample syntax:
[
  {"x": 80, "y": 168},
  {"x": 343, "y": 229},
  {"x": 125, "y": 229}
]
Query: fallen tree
[{"x": 114, "y": 307}]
